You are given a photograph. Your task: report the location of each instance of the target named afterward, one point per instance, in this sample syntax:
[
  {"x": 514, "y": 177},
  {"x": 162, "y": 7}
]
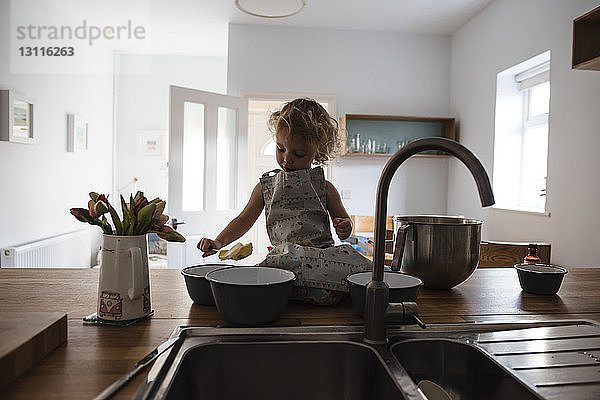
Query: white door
[{"x": 208, "y": 161}]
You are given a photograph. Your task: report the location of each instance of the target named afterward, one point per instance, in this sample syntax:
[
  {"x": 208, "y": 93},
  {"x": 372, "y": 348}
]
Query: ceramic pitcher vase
[{"x": 124, "y": 284}]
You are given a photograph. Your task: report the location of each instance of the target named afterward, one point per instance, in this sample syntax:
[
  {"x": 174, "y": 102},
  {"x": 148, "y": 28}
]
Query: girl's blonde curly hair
[{"x": 307, "y": 118}]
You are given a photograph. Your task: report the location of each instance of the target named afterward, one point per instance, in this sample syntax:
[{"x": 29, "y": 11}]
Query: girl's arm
[
  {"x": 237, "y": 227},
  {"x": 341, "y": 221}
]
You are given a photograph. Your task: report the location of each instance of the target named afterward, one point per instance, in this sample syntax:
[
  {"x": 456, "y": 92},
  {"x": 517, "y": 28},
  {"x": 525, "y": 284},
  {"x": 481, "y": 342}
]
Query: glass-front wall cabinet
[{"x": 383, "y": 135}]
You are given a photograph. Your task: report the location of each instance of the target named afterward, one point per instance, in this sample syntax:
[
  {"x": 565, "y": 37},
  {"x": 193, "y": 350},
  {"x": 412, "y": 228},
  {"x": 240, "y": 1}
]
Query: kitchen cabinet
[
  {"x": 383, "y": 135},
  {"x": 586, "y": 41}
]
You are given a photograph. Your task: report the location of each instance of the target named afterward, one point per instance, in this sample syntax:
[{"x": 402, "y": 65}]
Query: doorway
[
  {"x": 261, "y": 154},
  {"x": 219, "y": 146}
]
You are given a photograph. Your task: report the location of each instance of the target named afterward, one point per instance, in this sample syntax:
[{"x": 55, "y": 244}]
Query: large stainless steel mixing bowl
[{"x": 442, "y": 251}]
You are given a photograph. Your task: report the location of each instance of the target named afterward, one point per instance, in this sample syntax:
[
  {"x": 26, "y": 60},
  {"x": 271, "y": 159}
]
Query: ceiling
[
  {"x": 441, "y": 17},
  {"x": 200, "y": 26}
]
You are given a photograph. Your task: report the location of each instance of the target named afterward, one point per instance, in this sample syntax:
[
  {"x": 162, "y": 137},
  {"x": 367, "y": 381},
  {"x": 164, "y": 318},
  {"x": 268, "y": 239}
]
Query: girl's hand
[
  {"x": 209, "y": 246},
  {"x": 343, "y": 227}
]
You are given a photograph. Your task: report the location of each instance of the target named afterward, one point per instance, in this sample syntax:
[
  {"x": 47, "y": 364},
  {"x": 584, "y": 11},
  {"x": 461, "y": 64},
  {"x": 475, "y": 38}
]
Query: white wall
[
  {"x": 40, "y": 182},
  {"x": 370, "y": 73},
  {"x": 504, "y": 34},
  {"x": 142, "y": 99}
]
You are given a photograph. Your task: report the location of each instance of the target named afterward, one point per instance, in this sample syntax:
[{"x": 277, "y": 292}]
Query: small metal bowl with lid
[{"x": 540, "y": 278}]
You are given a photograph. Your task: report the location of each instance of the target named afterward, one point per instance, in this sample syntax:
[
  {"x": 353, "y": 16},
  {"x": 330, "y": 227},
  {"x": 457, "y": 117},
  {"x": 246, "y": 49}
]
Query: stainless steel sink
[
  {"x": 277, "y": 363},
  {"x": 463, "y": 370},
  {"x": 530, "y": 360},
  {"x": 283, "y": 370}
]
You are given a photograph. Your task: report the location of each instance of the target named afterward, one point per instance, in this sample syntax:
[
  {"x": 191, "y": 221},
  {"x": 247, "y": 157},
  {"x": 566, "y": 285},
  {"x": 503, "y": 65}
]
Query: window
[
  {"x": 193, "y": 157},
  {"x": 227, "y": 142},
  {"x": 521, "y": 135}
]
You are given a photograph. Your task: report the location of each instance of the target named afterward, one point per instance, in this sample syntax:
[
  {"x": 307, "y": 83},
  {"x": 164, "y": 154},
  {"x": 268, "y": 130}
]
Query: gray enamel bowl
[
  {"x": 197, "y": 286},
  {"x": 540, "y": 278},
  {"x": 251, "y": 295},
  {"x": 403, "y": 287}
]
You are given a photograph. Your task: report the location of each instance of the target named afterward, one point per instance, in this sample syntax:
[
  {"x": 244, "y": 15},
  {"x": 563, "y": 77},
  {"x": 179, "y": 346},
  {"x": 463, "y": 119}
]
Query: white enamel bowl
[{"x": 251, "y": 295}]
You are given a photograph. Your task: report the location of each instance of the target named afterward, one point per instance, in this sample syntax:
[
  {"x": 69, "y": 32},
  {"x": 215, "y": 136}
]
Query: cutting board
[{"x": 26, "y": 338}]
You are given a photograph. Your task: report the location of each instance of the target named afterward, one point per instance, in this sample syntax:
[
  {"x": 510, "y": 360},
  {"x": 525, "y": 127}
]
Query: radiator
[{"x": 68, "y": 250}]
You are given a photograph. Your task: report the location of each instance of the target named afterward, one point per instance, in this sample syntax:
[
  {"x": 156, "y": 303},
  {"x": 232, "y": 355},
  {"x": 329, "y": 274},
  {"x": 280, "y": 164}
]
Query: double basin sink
[{"x": 525, "y": 360}]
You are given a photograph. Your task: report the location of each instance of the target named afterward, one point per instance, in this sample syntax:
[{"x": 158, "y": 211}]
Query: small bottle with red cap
[{"x": 532, "y": 254}]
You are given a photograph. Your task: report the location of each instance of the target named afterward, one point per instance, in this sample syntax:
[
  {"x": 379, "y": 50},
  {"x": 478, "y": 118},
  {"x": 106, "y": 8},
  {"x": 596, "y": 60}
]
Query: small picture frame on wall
[
  {"x": 16, "y": 117},
  {"x": 152, "y": 144},
  {"x": 77, "y": 133}
]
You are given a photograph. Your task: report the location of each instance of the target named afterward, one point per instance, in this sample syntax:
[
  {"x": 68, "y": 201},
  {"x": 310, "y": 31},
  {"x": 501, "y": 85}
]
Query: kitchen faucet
[{"x": 378, "y": 307}]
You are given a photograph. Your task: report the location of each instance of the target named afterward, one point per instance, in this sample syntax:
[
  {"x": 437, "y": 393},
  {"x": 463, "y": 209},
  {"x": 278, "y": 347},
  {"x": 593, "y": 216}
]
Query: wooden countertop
[{"x": 95, "y": 356}]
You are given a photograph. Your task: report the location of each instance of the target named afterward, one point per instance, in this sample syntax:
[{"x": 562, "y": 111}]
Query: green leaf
[
  {"x": 170, "y": 236},
  {"x": 124, "y": 209},
  {"x": 124, "y": 206},
  {"x": 144, "y": 219},
  {"x": 131, "y": 227},
  {"x": 160, "y": 220},
  {"x": 160, "y": 207},
  {"x": 126, "y": 215},
  {"x": 106, "y": 226},
  {"x": 100, "y": 208},
  {"x": 138, "y": 196},
  {"x": 124, "y": 227},
  {"x": 92, "y": 220},
  {"x": 115, "y": 219},
  {"x": 132, "y": 205}
]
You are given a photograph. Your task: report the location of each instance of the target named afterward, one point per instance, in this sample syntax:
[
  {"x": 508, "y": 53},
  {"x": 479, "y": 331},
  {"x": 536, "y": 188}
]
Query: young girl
[{"x": 298, "y": 202}]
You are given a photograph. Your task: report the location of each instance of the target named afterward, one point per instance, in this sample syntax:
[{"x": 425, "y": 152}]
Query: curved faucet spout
[
  {"x": 433, "y": 143},
  {"x": 374, "y": 323}
]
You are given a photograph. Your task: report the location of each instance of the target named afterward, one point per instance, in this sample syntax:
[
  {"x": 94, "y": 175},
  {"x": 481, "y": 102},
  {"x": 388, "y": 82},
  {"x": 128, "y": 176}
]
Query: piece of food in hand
[{"x": 237, "y": 252}]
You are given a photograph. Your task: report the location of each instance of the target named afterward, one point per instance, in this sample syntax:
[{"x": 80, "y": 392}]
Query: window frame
[
  {"x": 512, "y": 86},
  {"x": 529, "y": 122}
]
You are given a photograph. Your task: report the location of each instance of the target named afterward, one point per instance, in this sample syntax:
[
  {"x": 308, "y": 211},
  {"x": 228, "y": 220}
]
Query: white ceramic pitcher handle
[{"x": 137, "y": 276}]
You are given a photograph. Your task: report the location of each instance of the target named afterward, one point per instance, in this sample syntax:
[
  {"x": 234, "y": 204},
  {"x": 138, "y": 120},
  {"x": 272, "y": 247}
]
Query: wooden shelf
[
  {"x": 503, "y": 254},
  {"x": 586, "y": 41},
  {"x": 346, "y": 154},
  {"x": 390, "y": 132}
]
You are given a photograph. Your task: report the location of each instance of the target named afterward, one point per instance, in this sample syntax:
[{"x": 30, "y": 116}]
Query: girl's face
[{"x": 293, "y": 153}]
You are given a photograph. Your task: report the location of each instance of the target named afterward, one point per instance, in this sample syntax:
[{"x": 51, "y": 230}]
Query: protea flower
[
  {"x": 81, "y": 214},
  {"x": 139, "y": 216},
  {"x": 98, "y": 205},
  {"x": 139, "y": 204},
  {"x": 84, "y": 215}
]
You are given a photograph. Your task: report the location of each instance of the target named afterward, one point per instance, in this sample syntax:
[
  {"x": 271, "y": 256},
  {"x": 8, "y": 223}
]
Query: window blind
[{"x": 533, "y": 76}]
